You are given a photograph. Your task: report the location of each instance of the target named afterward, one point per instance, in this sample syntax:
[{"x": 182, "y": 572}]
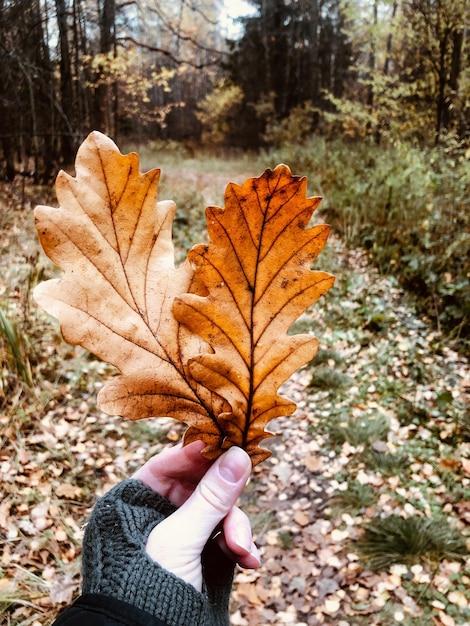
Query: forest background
[{"x": 370, "y": 99}]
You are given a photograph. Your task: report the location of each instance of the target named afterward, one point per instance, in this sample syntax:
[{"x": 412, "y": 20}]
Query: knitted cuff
[{"x": 116, "y": 564}]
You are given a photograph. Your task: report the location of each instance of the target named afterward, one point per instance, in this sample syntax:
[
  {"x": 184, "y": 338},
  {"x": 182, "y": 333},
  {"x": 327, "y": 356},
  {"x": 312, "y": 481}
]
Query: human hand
[
  {"x": 141, "y": 549},
  {"x": 206, "y": 494}
]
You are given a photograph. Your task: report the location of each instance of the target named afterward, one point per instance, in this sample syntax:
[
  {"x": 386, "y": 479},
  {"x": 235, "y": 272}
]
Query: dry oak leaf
[
  {"x": 114, "y": 244},
  {"x": 207, "y": 342},
  {"x": 257, "y": 270}
]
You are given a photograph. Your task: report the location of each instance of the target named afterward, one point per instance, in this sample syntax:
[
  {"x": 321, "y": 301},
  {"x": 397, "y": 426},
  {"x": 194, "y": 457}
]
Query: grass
[
  {"x": 360, "y": 431},
  {"x": 18, "y": 350},
  {"x": 385, "y": 463},
  {"x": 396, "y": 539},
  {"x": 325, "y": 377},
  {"x": 189, "y": 223},
  {"x": 355, "y": 497},
  {"x": 327, "y": 356}
]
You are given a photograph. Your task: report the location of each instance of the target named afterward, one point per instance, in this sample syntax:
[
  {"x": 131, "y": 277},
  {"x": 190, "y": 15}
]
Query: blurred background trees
[
  {"x": 125, "y": 68},
  {"x": 152, "y": 70}
]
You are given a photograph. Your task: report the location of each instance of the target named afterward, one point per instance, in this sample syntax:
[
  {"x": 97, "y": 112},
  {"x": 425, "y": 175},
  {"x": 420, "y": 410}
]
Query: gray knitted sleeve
[{"x": 115, "y": 562}]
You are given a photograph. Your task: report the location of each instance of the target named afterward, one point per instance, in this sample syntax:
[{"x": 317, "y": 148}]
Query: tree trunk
[
  {"x": 371, "y": 63},
  {"x": 442, "y": 84},
  {"x": 372, "y": 66},
  {"x": 313, "y": 51},
  {"x": 104, "y": 91},
  {"x": 66, "y": 86},
  {"x": 388, "y": 49},
  {"x": 454, "y": 75}
]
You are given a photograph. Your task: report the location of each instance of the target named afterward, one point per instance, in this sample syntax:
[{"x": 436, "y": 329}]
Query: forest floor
[{"x": 382, "y": 431}]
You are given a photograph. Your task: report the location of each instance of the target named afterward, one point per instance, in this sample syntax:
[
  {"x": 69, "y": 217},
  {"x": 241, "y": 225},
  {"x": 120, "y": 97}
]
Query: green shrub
[
  {"x": 218, "y": 112},
  {"x": 409, "y": 207},
  {"x": 189, "y": 223},
  {"x": 291, "y": 130}
]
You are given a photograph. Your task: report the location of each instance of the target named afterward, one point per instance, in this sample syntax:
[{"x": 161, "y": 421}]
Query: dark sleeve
[
  {"x": 115, "y": 563},
  {"x": 99, "y": 610}
]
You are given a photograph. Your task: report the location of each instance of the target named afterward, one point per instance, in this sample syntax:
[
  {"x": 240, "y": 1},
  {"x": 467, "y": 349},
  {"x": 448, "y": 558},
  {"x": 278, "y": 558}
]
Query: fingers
[
  {"x": 175, "y": 472},
  {"x": 238, "y": 539}
]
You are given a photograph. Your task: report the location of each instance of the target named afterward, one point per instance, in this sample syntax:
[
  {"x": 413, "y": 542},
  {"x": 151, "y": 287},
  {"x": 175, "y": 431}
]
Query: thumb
[
  {"x": 217, "y": 492},
  {"x": 182, "y": 536}
]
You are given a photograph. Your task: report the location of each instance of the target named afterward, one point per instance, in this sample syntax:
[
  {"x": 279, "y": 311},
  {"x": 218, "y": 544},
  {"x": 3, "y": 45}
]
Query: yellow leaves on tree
[{"x": 207, "y": 342}]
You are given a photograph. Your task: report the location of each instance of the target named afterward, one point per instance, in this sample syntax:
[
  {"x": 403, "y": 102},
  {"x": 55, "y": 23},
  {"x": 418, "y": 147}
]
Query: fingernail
[
  {"x": 234, "y": 464},
  {"x": 243, "y": 538},
  {"x": 255, "y": 552}
]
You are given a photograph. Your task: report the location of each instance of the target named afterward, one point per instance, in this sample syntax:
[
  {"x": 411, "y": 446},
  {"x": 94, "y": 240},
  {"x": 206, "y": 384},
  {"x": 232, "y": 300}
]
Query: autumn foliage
[{"x": 207, "y": 342}]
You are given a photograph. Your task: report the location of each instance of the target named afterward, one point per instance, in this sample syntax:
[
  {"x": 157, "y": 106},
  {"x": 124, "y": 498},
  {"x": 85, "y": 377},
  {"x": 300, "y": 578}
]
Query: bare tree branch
[
  {"x": 170, "y": 55},
  {"x": 179, "y": 34}
]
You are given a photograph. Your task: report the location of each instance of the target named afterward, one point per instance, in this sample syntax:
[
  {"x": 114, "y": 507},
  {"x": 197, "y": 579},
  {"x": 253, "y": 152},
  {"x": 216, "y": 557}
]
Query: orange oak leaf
[
  {"x": 207, "y": 342},
  {"x": 114, "y": 244},
  {"x": 257, "y": 272}
]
